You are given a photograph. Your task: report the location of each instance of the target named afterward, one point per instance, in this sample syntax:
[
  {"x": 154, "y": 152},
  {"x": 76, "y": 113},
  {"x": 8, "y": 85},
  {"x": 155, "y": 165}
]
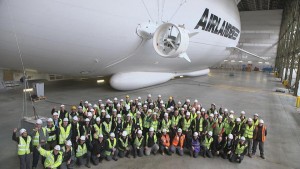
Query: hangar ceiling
[{"x": 255, "y": 5}]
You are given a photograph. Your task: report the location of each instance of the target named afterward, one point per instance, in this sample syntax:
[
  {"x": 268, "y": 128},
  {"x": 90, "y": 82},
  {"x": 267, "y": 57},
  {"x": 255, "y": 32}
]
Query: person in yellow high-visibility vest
[
  {"x": 39, "y": 137},
  {"x": 124, "y": 146},
  {"x": 240, "y": 151},
  {"x": 138, "y": 144},
  {"x": 111, "y": 151},
  {"x": 248, "y": 134},
  {"x": 82, "y": 152},
  {"x": 24, "y": 148},
  {"x": 64, "y": 132},
  {"x": 53, "y": 158}
]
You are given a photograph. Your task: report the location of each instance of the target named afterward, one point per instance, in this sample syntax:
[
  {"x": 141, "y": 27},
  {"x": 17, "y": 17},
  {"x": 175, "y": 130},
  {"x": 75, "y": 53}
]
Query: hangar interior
[{"x": 270, "y": 29}]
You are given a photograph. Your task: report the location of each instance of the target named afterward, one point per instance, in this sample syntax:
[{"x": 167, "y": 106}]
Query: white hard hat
[
  {"x": 66, "y": 120},
  {"x": 243, "y": 112},
  {"x": 215, "y": 113},
  {"x": 151, "y": 104},
  {"x": 124, "y": 134},
  {"x": 89, "y": 114},
  {"x": 220, "y": 117},
  {"x": 159, "y": 95},
  {"x": 193, "y": 109},
  {"x": 188, "y": 100},
  {"x": 90, "y": 105},
  {"x": 57, "y": 147},
  {"x": 185, "y": 106},
  {"x": 139, "y": 104},
  {"x": 168, "y": 109},
  {"x": 145, "y": 106},
  {"x": 75, "y": 118},
  {"x": 119, "y": 115},
  {"x": 179, "y": 102},
  {"x": 107, "y": 116},
  {"x": 188, "y": 113},
  {"x": 261, "y": 121},
  {"x": 150, "y": 111},
  {"x": 179, "y": 130},
  {"x": 87, "y": 120},
  {"x": 238, "y": 119},
  {"x": 250, "y": 120},
  {"x": 39, "y": 121},
  {"x": 115, "y": 99},
  {"x": 138, "y": 112},
  {"x": 163, "y": 105},
  {"x": 50, "y": 120},
  {"x": 203, "y": 110},
  {"x": 198, "y": 112},
  {"x": 69, "y": 143},
  {"x": 139, "y": 98},
  {"x": 128, "y": 115},
  {"x": 154, "y": 113},
  {"x": 225, "y": 110},
  {"x": 114, "y": 110},
  {"x": 100, "y": 135},
  {"x": 230, "y": 136},
  {"x": 243, "y": 138},
  {"x": 86, "y": 102},
  {"x": 121, "y": 100},
  {"x": 196, "y": 101},
  {"x": 195, "y": 134},
  {"x": 95, "y": 106},
  {"x": 22, "y": 131},
  {"x": 62, "y": 105},
  {"x": 112, "y": 135},
  {"x": 55, "y": 114},
  {"x": 166, "y": 114},
  {"x": 103, "y": 111},
  {"x": 149, "y": 95},
  {"x": 161, "y": 101},
  {"x": 231, "y": 116},
  {"x": 151, "y": 129},
  {"x": 164, "y": 130},
  {"x": 210, "y": 133},
  {"x": 82, "y": 138},
  {"x": 98, "y": 119},
  {"x": 99, "y": 100},
  {"x": 79, "y": 107},
  {"x": 256, "y": 114},
  {"x": 102, "y": 105},
  {"x": 118, "y": 105},
  {"x": 140, "y": 132},
  {"x": 211, "y": 115},
  {"x": 92, "y": 110}
]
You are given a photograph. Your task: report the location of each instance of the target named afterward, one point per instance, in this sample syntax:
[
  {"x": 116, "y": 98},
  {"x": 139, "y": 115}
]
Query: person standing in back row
[
  {"x": 259, "y": 137},
  {"x": 24, "y": 148}
]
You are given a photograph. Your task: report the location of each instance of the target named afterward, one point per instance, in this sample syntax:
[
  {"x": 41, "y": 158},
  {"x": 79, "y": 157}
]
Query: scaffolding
[{"x": 288, "y": 53}]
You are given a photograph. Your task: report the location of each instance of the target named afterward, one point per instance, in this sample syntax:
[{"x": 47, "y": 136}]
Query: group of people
[{"x": 124, "y": 128}]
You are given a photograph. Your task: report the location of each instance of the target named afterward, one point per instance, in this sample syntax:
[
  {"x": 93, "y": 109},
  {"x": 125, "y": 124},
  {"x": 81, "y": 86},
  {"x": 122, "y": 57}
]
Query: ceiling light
[
  {"x": 28, "y": 90},
  {"x": 101, "y": 81}
]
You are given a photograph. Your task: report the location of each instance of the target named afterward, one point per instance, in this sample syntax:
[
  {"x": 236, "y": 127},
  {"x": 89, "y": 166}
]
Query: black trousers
[{"x": 261, "y": 147}]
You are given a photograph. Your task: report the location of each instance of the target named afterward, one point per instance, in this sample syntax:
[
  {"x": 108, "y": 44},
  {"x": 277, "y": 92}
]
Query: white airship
[{"x": 138, "y": 43}]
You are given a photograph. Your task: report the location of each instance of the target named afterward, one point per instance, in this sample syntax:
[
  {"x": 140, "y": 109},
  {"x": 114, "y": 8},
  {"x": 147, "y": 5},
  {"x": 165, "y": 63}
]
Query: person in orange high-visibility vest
[
  {"x": 259, "y": 137},
  {"x": 178, "y": 142},
  {"x": 165, "y": 143}
]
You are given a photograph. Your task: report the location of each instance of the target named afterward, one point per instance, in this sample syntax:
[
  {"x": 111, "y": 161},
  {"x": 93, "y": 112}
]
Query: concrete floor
[{"x": 252, "y": 92}]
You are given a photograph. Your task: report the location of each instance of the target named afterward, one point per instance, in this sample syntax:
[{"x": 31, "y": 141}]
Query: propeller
[{"x": 172, "y": 41}]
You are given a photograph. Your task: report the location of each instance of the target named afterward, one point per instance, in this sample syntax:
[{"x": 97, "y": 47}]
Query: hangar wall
[{"x": 259, "y": 35}]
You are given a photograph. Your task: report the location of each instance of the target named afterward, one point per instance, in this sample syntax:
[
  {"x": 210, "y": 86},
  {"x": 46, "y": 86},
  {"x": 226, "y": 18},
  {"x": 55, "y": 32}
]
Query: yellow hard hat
[
  {"x": 127, "y": 96},
  {"x": 73, "y": 107}
]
